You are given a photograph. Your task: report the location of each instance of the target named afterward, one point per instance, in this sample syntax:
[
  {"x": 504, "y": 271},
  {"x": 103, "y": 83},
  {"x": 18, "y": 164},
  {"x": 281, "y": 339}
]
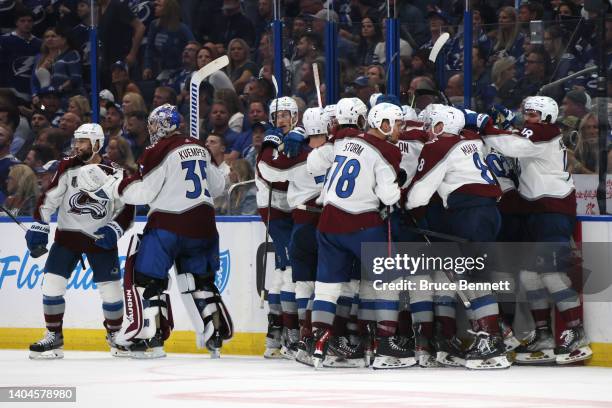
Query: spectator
[
  {"x": 346, "y": 49},
  {"x": 307, "y": 51},
  {"x": 39, "y": 122},
  {"x": 113, "y": 123},
  {"x": 240, "y": 68},
  {"x": 56, "y": 139},
  {"x": 454, "y": 89},
  {"x": 263, "y": 20},
  {"x": 482, "y": 75},
  {"x": 376, "y": 76},
  {"x": 69, "y": 123},
  {"x": 79, "y": 35},
  {"x": 243, "y": 199},
  {"x": 306, "y": 89},
  {"x": 166, "y": 39},
  {"x": 41, "y": 73},
  {"x": 564, "y": 62},
  {"x": 219, "y": 79},
  {"x": 404, "y": 47},
  {"x": 138, "y": 133},
  {"x": 7, "y": 160},
  {"x": 105, "y": 97},
  {"x": 422, "y": 82},
  {"x": 38, "y": 156},
  {"x": 585, "y": 159},
  {"x": 16, "y": 51},
  {"x": 22, "y": 190},
  {"x": 120, "y": 34},
  {"x": 236, "y": 120},
  {"x": 438, "y": 24},
  {"x": 370, "y": 37},
  {"x": 133, "y": 102},
  {"x": 121, "y": 83},
  {"x": 9, "y": 116},
  {"x": 51, "y": 103},
  {"x": 576, "y": 103},
  {"x": 501, "y": 89},
  {"x": 257, "y": 135},
  {"x": 258, "y": 111},
  {"x": 216, "y": 144},
  {"x": 420, "y": 64},
  {"x": 537, "y": 65},
  {"x": 479, "y": 39},
  {"x": 62, "y": 65},
  {"x": 162, "y": 95},
  {"x": 363, "y": 89},
  {"x": 219, "y": 125},
  {"x": 227, "y": 26},
  {"x": 45, "y": 174},
  {"x": 509, "y": 39},
  {"x": 118, "y": 151},
  {"x": 412, "y": 22},
  {"x": 259, "y": 89},
  {"x": 79, "y": 105},
  {"x": 189, "y": 61}
]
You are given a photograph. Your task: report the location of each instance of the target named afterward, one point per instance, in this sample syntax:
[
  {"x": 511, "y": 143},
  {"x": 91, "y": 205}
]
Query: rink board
[{"x": 240, "y": 237}]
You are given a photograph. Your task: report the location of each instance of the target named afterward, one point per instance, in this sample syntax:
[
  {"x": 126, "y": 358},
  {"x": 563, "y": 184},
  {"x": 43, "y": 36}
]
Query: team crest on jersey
[
  {"x": 22, "y": 67},
  {"x": 222, "y": 275},
  {"x": 81, "y": 203}
]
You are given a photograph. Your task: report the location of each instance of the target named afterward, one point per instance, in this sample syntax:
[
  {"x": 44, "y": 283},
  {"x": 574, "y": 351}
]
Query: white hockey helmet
[
  {"x": 349, "y": 110},
  {"x": 93, "y": 132},
  {"x": 374, "y": 98},
  {"x": 548, "y": 108},
  {"x": 384, "y": 111},
  {"x": 163, "y": 121},
  {"x": 284, "y": 103},
  {"x": 424, "y": 116},
  {"x": 330, "y": 111},
  {"x": 409, "y": 113},
  {"x": 452, "y": 119},
  {"x": 315, "y": 121}
]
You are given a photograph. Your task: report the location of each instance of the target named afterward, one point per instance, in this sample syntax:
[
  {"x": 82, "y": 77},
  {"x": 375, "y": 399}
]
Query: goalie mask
[{"x": 163, "y": 122}]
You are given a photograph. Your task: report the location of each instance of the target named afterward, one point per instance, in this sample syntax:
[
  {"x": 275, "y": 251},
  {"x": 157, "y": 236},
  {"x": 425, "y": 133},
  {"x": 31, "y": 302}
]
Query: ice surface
[{"x": 182, "y": 380}]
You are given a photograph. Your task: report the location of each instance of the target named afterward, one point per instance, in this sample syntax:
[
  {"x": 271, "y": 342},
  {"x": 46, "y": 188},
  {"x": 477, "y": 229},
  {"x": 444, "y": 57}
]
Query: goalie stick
[{"x": 194, "y": 92}]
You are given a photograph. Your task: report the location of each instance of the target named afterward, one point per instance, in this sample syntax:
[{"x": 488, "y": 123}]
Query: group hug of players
[
  {"x": 448, "y": 171},
  {"x": 320, "y": 189}
]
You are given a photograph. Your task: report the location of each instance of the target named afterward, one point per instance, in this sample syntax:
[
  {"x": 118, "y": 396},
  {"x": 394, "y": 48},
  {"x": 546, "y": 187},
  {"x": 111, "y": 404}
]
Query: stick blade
[
  {"x": 194, "y": 92},
  {"x": 435, "y": 50},
  {"x": 209, "y": 69}
]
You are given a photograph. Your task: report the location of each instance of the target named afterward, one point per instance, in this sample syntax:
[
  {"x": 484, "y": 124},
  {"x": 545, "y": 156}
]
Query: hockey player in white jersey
[
  {"x": 363, "y": 169},
  {"x": 549, "y": 198},
  {"x": 302, "y": 194},
  {"x": 178, "y": 180},
  {"x": 84, "y": 225},
  {"x": 282, "y": 313},
  {"x": 452, "y": 165}
]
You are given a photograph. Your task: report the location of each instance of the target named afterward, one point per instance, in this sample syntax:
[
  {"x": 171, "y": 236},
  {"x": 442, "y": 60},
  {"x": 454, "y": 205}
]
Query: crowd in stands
[{"x": 148, "y": 51}]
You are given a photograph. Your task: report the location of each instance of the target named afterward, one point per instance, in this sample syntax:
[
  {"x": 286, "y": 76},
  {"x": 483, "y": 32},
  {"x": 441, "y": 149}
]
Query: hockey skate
[
  {"x": 423, "y": 351},
  {"x": 510, "y": 340},
  {"x": 214, "y": 344},
  {"x": 449, "y": 352},
  {"x": 305, "y": 349},
  {"x": 273, "y": 338},
  {"x": 574, "y": 346},
  {"x": 393, "y": 352},
  {"x": 341, "y": 354},
  {"x": 289, "y": 343},
  {"x": 538, "y": 348},
  {"x": 49, "y": 347},
  {"x": 487, "y": 352},
  {"x": 116, "y": 350},
  {"x": 148, "y": 348},
  {"x": 321, "y": 343}
]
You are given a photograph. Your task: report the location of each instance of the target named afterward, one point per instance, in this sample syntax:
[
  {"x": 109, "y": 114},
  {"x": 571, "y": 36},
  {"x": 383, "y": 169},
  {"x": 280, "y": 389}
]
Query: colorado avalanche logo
[
  {"x": 222, "y": 275},
  {"x": 81, "y": 203}
]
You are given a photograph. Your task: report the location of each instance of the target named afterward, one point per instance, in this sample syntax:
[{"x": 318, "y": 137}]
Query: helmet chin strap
[{"x": 93, "y": 153}]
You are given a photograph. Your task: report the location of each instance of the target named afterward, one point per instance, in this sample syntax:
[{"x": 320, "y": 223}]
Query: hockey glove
[
  {"x": 475, "y": 120},
  {"x": 94, "y": 181},
  {"x": 503, "y": 117},
  {"x": 108, "y": 235},
  {"x": 402, "y": 177},
  {"x": 294, "y": 142},
  {"x": 37, "y": 237},
  {"x": 272, "y": 138}
]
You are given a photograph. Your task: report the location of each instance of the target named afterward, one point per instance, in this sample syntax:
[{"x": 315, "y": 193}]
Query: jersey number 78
[{"x": 345, "y": 182}]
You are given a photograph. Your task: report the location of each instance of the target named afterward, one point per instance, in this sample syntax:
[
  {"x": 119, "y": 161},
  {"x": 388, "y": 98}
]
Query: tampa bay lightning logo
[
  {"x": 22, "y": 67},
  {"x": 81, "y": 203},
  {"x": 222, "y": 275}
]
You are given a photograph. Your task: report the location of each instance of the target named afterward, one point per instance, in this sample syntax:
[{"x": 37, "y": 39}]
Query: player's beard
[{"x": 85, "y": 156}]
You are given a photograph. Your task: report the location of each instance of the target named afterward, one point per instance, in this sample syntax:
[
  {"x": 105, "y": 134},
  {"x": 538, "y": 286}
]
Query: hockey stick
[
  {"x": 449, "y": 275},
  {"x": 433, "y": 57},
  {"x": 567, "y": 78},
  {"x": 36, "y": 252},
  {"x": 317, "y": 80},
  {"x": 194, "y": 94}
]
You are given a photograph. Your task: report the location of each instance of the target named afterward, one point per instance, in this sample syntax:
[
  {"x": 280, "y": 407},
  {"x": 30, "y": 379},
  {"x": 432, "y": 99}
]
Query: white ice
[{"x": 182, "y": 380}]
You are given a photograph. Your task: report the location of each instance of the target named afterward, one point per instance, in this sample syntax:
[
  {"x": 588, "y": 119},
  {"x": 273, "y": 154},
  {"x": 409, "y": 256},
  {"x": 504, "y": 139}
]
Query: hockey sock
[
  {"x": 112, "y": 304},
  {"x": 343, "y": 310},
  {"x": 565, "y": 297},
  {"x": 54, "y": 307},
  {"x": 404, "y": 323}
]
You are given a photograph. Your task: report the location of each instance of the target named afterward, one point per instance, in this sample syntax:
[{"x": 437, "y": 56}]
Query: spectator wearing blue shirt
[
  {"x": 509, "y": 39},
  {"x": 219, "y": 125},
  {"x": 6, "y": 158},
  {"x": 166, "y": 39}
]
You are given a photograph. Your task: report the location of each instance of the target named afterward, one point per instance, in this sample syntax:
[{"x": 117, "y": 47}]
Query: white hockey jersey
[
  {"x": 411, "y": 144},
  {"x": 451, "y": 164},
  {"x": 279, "y": 206},
  {"x": 78, "y": 215},
  {"x": 544, "y": 182},
  {"x": 304, "y": 187},
  {"x": 362, "y": 173},
  {"x": 178, "y": 182}
]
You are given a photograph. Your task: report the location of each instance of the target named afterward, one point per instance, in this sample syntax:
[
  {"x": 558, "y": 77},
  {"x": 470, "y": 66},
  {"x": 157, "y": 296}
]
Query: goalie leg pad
[{"x": 212, "y": 309}]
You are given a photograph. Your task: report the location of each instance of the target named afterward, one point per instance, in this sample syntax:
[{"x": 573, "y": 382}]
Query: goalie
[{"x": 178, "y": 182}]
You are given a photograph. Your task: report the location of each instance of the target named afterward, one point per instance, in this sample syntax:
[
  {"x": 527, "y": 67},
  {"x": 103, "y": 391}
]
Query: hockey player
[
  {"x": 452, "y": 165},
  {"x": 84, "y": 225},
  {"x": 550, "y": 200},
  {"x": 303, "y": 191},
  {"x": 363, "y": 170},
  {"x": 273, "y": 207},
  {"x": 178, "y": 182}
]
